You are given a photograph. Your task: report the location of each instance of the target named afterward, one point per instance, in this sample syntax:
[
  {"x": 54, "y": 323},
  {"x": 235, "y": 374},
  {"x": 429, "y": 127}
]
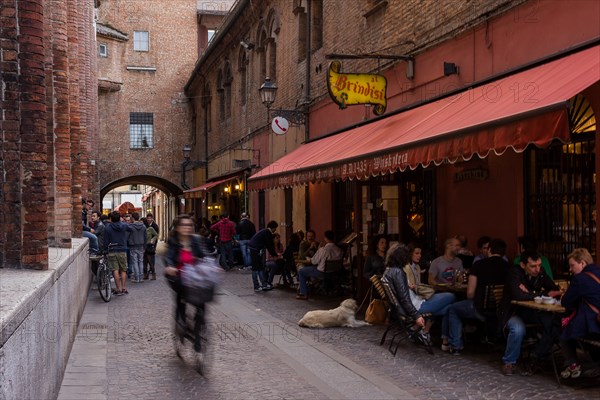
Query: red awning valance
[
  {"x": 529, "y": 107},
  {"x": 198, "y": 191}
]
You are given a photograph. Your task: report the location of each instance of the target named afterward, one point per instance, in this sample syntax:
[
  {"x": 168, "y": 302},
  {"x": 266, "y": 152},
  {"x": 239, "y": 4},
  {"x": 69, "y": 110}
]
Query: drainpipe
[{"x": 305, "y": 106}]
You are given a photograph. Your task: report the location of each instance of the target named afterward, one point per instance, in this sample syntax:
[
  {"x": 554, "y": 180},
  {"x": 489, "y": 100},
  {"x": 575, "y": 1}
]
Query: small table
[
  {"x": 456, "y": 288},
  {"x": 554, "y": 308}
]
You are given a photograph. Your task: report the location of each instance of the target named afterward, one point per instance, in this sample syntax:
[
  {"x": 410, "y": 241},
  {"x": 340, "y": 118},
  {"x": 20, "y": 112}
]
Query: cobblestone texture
[{"x": 142, "y": 364}]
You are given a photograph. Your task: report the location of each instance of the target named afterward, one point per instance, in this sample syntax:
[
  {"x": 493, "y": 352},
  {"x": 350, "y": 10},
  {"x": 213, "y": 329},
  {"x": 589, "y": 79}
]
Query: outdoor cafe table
[
  {"x": 555, "y": 308},
  {"x": 456, "y": 288}
]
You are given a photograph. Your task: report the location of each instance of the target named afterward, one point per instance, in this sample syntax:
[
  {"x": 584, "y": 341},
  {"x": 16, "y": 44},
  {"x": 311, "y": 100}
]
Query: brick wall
[
  {"x": 172, "y": 52},
  {"x": 44, "y": 56}
]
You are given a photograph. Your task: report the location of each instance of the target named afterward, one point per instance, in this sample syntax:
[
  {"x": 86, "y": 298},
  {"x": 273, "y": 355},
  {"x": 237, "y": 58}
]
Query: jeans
[
  {"x": 227, "y": 254},
  {"x": 258, "y": 272},
  {"x": 437, "y": 305},
  {"x": 516, "y": 332},
  {"x": 305, "y": 273},
  {"x": 93, "y": 241},
  {"x": 456, "y": 313},
  {"x": 245, "y": 252},
  {"x": 137, "y": 262}
]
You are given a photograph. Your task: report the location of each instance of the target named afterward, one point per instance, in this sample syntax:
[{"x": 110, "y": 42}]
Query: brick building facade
[
  {"x": 48, "y": 115},
  {"x": 231, "y": 121},
  {"x": 486, "y": 40},
  {"x": 147, "y": 52}
]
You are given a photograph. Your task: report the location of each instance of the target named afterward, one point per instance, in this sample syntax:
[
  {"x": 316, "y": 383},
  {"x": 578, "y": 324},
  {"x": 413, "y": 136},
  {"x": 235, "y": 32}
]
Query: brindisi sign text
[{"x": 351, "y": 89}]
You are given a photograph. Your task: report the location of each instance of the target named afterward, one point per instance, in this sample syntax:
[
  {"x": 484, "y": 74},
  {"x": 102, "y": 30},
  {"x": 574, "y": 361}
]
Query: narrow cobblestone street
[{"x": 124, "y": 350}]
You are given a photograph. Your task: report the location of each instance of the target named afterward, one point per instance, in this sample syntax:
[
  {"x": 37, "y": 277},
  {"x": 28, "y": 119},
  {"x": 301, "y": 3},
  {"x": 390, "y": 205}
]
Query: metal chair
[{"x": 399, "y": 321}]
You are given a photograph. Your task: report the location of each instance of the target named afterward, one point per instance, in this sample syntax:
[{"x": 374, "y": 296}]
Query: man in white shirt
[{"x": 327, "y": 252}]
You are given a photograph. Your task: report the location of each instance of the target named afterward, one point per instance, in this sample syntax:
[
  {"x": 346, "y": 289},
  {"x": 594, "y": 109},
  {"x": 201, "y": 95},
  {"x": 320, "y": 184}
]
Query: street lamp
[
  {"x": 186, "y": 156},
  {"x": 268, "y": 92},
  {"x": 187, "y": 152}
]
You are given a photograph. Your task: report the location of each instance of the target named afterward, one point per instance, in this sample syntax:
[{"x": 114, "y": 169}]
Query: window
[
  {"x": 302, "y": 45},
  {"x": 243, "y": 73},
  {"x": 228, "y": 78},
  {"x": 103, "y": 50},
  {"x": 211, "y": 34},
  {"x": 221, "y": 95},
  {"x": 141, "y": 130},
  {"x": 317, "y": 25},
  {"x": 140, "y": 41}
]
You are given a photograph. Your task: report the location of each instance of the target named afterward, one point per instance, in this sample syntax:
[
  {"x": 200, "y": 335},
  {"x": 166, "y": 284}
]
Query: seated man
[
  {"x": 491, "y": 270},
  {"x": 524, "y": 282},
  {"x": 327, "y": 252},
  {"x": 443, "y": 268},
  {"x": 308, "y": 247}
]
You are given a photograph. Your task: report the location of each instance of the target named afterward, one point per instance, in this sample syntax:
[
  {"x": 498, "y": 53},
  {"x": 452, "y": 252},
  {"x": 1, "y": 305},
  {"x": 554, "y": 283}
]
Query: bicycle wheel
[
  {"x": 104, "y": 286},
  {"x": 203, "y": 358}
]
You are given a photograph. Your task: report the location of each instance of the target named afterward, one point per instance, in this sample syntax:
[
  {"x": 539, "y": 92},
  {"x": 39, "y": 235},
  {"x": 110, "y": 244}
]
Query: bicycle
[
  {"x": 103, "y": 278},
  {"x": 185, "y": 331},
  {"x": 196, "y": 288}
]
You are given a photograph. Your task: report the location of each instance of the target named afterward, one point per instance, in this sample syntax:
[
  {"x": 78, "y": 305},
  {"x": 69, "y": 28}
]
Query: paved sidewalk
[{"x": 124, "y": 350}]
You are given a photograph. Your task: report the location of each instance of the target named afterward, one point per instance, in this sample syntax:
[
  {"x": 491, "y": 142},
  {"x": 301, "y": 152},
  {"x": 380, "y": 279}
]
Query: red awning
[
  {"x": 196, "y": 192},
  {"x": 529, "y": 107}
]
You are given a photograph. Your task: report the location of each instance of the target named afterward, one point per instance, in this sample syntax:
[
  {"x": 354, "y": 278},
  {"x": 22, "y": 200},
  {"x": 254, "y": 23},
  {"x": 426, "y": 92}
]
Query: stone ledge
[{"x": 21, "y": 290}]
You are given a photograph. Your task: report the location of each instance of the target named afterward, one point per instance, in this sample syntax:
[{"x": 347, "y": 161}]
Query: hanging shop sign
[{"x": 352, "y": 89}]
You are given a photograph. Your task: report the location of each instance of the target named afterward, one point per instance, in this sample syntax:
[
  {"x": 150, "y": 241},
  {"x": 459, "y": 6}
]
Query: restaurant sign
[
  {"x": 352, "y": 89},
  {"x": 356, "y": 169}
]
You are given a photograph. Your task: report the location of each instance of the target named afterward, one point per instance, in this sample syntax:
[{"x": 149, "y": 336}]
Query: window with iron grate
[{"x": 141, "y": 130}]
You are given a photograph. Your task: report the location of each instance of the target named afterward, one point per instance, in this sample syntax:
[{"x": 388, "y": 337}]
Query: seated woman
[
  {"x": 397, "y": 257},
  {"x": 375, "y": 262},
  {"x": 583, "y": 297},
  {"x": 422, "y": 297}
]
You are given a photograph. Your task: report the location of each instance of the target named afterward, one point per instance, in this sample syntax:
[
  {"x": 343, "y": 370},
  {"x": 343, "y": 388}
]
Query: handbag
[
  {"x": 200, "y": 280},
  {"x": 376, "y": 313},
  {"x": 425, "y": 291}
]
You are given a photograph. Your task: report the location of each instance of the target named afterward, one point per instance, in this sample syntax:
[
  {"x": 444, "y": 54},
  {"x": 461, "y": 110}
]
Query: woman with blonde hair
[{"x": 583, "y": 299}]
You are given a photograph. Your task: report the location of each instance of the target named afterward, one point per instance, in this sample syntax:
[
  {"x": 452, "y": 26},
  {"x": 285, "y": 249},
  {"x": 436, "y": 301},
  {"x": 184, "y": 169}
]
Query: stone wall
[{"x": 38, "y": 322}]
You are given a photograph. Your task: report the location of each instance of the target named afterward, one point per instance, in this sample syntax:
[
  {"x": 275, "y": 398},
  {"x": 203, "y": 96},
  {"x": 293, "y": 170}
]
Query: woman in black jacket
[
  {"x": 397, "y": 257},
  {"x": 183, "y": 248}
]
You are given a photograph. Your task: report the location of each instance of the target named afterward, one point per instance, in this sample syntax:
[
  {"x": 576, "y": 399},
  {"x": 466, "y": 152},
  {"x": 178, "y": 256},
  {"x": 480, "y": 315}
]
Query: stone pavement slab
[{"x": 258, "y": 351}]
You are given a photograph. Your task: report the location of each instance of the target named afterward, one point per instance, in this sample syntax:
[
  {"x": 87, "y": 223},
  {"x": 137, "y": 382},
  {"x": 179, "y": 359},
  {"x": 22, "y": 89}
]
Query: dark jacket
[
  {"x": 396, "y": 278},
  {"x": 137, "y": 237},
  {"x": 99, "y": 232},
  {"x": 374, "y": 265},
  {"x": 116, "y": 233},
  {"x": 245, "y": 229},
  {"x": 582, "y": 288},
  {"x": 174, "y": 249},
  {"x": 540, "y": 285},
  {"x": 263, "y": 240}
]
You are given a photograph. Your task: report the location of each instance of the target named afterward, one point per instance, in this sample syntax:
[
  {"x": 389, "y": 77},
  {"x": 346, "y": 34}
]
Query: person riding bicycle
[{"x": 183, "y": 248}]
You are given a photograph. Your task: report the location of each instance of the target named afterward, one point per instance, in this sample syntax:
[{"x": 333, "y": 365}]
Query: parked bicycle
[{"x": 104, "y": 276}]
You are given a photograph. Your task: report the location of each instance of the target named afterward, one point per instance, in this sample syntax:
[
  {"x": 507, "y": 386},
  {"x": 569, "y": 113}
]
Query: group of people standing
[
  {"x": 128, "y": 240},
  {"x": 525, "y": 279}
]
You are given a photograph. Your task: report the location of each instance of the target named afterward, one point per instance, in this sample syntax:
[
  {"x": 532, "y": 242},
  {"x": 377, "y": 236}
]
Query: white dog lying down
[{"x": 341, "y": 316}]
